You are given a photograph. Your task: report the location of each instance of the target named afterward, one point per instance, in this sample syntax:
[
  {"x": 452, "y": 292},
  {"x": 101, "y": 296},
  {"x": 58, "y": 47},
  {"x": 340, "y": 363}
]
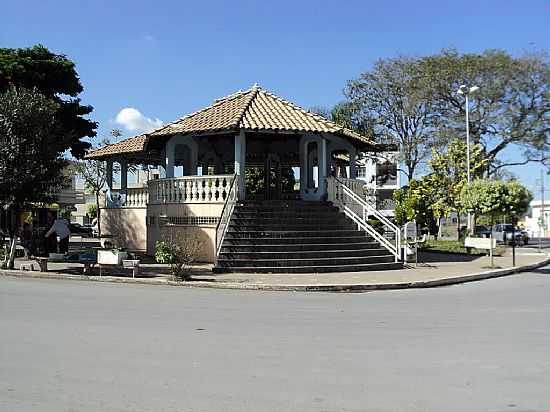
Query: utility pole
[{"x": 542, "y": 217}]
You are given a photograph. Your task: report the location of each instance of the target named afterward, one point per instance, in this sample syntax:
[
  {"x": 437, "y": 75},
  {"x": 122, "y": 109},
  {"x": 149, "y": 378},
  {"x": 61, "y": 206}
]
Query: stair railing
[
  {"x": 227, "y": 212},
  {"x": 358, "y": 209}
]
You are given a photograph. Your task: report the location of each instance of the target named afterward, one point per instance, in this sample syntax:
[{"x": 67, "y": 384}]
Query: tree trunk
[
  {"x": 13, "y": 246},
  {"x": 98, "y": 214}
]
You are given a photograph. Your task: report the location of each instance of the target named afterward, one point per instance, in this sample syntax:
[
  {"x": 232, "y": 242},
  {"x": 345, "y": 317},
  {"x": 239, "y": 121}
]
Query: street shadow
[{"x": 435, "y": 257}]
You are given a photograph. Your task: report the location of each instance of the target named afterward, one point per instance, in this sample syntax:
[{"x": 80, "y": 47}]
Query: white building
[
  {"x": 380, "y": 173},
  {"x": 533, "y": 219}
]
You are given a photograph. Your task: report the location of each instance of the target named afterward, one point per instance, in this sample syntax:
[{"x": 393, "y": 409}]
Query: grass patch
[{"x": 457, "y": 247}]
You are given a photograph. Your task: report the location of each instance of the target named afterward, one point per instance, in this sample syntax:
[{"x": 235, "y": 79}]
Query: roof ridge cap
[{"x": 254, "y": 91}]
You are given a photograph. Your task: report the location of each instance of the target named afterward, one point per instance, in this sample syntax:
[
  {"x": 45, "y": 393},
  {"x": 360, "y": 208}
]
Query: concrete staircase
[{"x": 297, "y": 237}]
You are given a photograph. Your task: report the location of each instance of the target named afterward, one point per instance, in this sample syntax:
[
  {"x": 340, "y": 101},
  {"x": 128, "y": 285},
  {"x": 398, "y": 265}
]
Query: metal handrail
[
  {"x": 227, "y": 211},
  {"x": 361, "y": 220}
]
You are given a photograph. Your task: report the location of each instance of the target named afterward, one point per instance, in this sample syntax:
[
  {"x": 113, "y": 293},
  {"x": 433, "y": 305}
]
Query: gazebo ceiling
[{"x": 253, "y": 110}]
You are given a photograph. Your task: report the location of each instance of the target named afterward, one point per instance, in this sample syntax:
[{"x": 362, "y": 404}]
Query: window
[{"x": 386, "y": 174}]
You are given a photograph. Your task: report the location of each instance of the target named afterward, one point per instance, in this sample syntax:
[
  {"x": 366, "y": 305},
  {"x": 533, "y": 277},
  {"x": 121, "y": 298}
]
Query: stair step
[
  {"x": 311, "y": 269},
  {"x": 292, "y": 233},
  {"x": 328, "y": 261},
  {"x": 289, "y": 227},
  {"x": 302, "y": 254},
  {"x": 258, "y": 247},
  {"x": 232, "y": 241}
]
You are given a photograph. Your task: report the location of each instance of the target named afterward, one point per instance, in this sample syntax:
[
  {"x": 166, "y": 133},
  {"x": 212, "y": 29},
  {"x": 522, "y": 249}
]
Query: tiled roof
[
  {"x": 258, "y": 110},
  {"x": 252, "y": 110},
  {"x": 132, "y": 145}
]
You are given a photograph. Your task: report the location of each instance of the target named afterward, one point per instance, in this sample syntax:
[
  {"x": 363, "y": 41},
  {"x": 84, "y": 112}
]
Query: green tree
[
  {"x": 448, "y": 175},
  {"x": 511, "y": 107},
  {"x": 412, "y": 203},
  {"x": 31, "y": 162},
  {"x": 92, "y": 211},
  {"x": 494, "y": 198},
  {"x": 55, "y": 77}
]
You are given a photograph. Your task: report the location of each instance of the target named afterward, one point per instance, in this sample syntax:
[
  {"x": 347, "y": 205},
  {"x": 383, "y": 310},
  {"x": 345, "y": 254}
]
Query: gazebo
[{"x": 248, "y": 146}]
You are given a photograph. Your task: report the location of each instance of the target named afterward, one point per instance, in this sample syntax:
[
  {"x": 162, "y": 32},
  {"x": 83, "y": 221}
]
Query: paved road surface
[{"x": 79, "y": 346}]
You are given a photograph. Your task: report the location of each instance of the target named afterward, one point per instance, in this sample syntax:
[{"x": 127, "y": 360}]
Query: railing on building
[
  {"x": 348, "y": 196},
  {"x": 227, "y": 212},
  {"x": 133, "y": 197},
  {"x": 190, "y": 189}
]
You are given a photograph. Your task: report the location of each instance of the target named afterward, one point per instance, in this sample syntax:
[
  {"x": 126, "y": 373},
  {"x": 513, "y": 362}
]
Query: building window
[
  {"x": 362, "y": 172},
  {"x": 386, "y": 174}
]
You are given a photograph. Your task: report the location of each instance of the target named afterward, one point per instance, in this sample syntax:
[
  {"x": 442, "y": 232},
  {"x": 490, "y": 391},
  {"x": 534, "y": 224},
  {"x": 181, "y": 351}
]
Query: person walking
[{"x": 61, "y": 228}]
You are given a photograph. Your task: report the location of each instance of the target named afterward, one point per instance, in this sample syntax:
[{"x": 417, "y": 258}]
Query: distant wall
[
  {"x": 196, "y": 219},
  {"x": 127, "y": 226}
]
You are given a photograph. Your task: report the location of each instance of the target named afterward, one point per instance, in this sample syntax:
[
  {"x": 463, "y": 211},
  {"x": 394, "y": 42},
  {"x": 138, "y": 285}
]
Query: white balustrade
[
  {"x": 190, "y": 189},
  {"x": 133, "y": 197}
]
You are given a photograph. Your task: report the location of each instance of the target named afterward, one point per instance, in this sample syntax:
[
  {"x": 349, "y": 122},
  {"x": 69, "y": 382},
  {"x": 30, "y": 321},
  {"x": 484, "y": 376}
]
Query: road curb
[{"x": 360, "y": 287}]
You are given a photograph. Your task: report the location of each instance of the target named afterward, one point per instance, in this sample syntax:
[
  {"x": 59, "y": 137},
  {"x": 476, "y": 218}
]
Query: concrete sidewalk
[{"x": 435, "y": 269}]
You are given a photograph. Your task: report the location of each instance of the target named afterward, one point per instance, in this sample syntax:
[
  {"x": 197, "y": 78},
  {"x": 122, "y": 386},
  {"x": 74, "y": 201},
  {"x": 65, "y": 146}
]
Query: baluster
[
  {"x": 214, "y": 189},
  {"x": 207, "y": 191}
]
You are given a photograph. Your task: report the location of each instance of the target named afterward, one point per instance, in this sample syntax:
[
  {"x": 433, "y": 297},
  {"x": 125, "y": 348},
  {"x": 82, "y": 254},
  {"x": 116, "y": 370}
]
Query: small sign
[
  {"x": 410, "y": 231},
  {"x": 480, "y": 242}
]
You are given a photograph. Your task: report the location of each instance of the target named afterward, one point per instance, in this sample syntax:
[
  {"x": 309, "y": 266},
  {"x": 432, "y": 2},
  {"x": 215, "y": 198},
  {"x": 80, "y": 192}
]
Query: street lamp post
[{"x": 466, "y": 91}]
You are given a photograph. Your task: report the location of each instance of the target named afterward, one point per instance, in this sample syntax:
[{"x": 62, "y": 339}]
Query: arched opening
[{"x": 182, "y": 161}]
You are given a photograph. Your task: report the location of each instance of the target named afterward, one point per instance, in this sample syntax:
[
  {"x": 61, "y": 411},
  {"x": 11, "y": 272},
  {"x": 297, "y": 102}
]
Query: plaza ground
[
  {"x": 89, "y": 346},
  {"x": 433, "y": 269}
]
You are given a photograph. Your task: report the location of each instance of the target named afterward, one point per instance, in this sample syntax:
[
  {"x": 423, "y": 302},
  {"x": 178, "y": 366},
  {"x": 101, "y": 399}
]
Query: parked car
[
  {"x": 78, "y": 229},
  {"x": 503, "y": 233},
  {"x": 482, "y": 231}
]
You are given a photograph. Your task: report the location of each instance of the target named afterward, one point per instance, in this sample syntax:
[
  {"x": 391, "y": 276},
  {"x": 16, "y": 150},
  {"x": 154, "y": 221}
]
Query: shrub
[{"x": 179, "y": 250}]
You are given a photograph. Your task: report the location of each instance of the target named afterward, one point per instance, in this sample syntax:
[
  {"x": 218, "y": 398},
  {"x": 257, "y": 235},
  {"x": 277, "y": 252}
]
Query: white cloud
[{"x": 134, "y": 121}]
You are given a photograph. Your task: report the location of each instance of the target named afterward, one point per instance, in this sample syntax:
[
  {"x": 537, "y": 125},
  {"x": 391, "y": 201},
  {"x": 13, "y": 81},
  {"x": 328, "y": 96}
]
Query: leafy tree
[
  {"x": 413, "y": 202},
  {"x": 392, "y": 99},
  {"x": 511, "y": 107},
  {"x": 31, "y": 162},
  {"x": 55, "y": 77},
  {"x": 94, "y": 173},
  {"x": 448, "y": 175},
  {"x": 494, "y": 198},
  {"x": 92, "y": 212},
  {"x": 349, "y": 116}
]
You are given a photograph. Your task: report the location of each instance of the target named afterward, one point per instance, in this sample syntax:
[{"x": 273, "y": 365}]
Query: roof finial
[{"x": 255, "y": 85}]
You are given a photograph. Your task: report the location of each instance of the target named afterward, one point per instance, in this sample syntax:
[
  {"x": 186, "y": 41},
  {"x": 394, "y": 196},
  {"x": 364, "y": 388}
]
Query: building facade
[{"x": 251, "y": 150}]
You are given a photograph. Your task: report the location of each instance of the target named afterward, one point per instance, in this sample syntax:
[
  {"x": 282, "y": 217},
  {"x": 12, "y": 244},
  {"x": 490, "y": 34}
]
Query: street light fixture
[{"x": 467, "y": 91}]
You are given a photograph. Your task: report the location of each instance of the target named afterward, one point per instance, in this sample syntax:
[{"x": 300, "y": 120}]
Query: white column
[
  {"x": 109, "y": 174},
  {"x": 352, "y": 164},
  {"x": 169, "y": 158},
  {"x": 240, "y": 158},
  {"x": 123, "y": 175},
  {"x": 303, "y": 168},
  {"x": 322, "y": 162}
]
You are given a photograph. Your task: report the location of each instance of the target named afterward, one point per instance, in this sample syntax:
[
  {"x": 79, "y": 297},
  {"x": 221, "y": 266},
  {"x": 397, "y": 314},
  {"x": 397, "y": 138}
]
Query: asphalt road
[{"x": 84, "y": 346}]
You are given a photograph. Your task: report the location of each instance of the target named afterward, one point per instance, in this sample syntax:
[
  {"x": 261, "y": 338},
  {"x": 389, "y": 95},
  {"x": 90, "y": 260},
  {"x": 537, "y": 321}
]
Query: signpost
[{"x": 487, "y": 243}]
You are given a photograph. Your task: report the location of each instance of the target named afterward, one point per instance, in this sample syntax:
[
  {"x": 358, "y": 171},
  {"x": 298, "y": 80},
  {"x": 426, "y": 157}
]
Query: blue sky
[{"x": 167, "y": 58}]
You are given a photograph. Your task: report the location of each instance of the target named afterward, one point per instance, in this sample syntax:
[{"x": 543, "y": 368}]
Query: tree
[
  {"x": 392, "y": 99},
  {"x": 346, "y": 114},
  {"x": 448, "y": 175},
  {"x": 494, "y": 198},
  {"x": 94, "y": 173},
  {"x": 511, "y": 107},
  {"x": 31, "y": 162},
  {"x": 412, "y": 203},
  {"x": 54, "y": 76},
  {"x": 92, "y": 212}
]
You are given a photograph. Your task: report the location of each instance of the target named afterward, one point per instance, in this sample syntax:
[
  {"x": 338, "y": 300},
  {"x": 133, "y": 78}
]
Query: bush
[{"x": 179, "y": 250}]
